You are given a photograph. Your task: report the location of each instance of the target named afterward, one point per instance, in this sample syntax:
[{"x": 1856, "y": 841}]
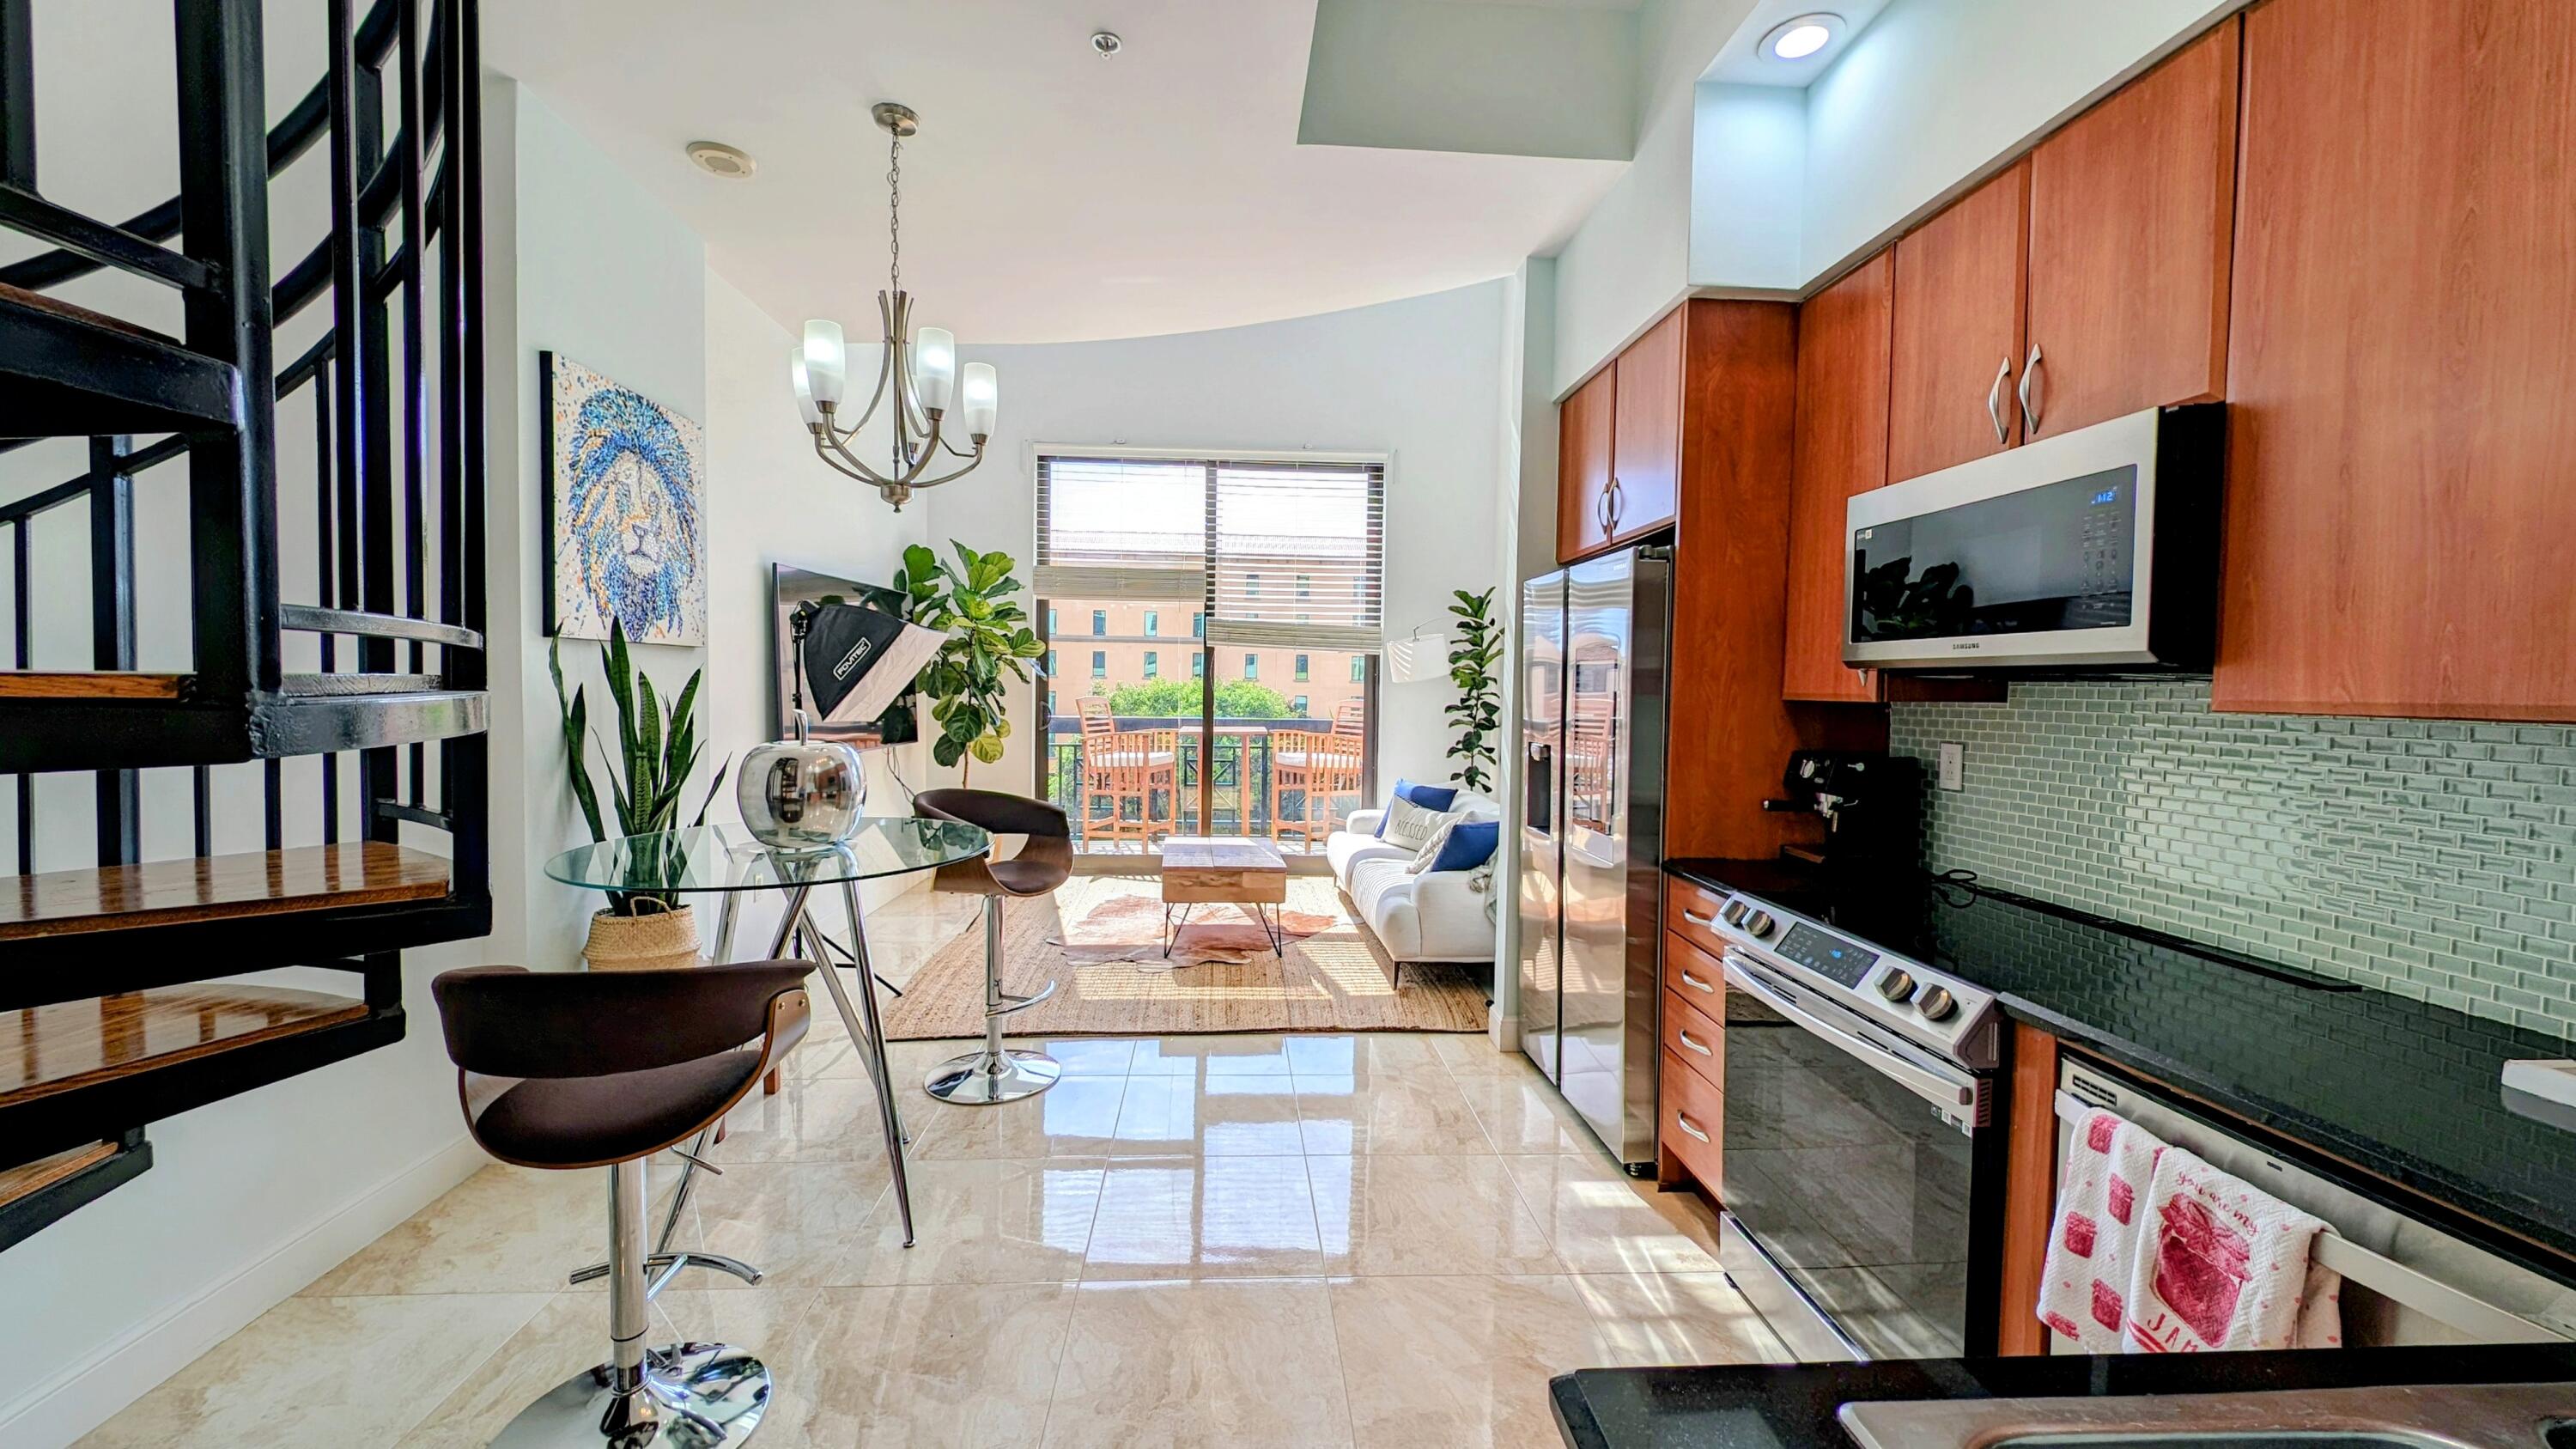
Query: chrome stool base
[
  {"x": 693, "y": 1396},
  {"x": 985, "y": 1077}
]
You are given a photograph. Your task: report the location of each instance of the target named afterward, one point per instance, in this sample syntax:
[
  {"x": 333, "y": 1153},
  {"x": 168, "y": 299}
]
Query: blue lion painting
[{"x": 629, "y": 512}]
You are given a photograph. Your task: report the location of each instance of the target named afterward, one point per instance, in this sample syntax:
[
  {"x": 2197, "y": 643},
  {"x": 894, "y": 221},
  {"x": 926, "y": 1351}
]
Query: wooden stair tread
[
  {"x": 87, "y": 684},
  {"x": 74, "y": 1044},
  {"x": 28, "y": 1179},
  {"x": 252, "y": 883}
]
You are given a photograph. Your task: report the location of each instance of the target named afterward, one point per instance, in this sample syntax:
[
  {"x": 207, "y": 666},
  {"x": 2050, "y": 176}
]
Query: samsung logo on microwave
[{"x": 1966, "y": 644}]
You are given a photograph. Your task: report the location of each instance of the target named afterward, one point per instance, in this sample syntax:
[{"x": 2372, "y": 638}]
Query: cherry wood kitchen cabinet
[
  {"x": 2030, "y": 1186},
  {"x": 2402, "y": 364},
  {"x": 1583, "y": 433},
  {"x": 1646, "y": 438},
  {"x": 1955, "y": 329},
  {"x": 1841, "y": 450},
  {"x": 2131, "y": 206}
]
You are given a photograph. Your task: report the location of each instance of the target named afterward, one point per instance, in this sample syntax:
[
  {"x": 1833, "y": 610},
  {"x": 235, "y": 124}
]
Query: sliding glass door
[{"x": 1212, "y": 629}]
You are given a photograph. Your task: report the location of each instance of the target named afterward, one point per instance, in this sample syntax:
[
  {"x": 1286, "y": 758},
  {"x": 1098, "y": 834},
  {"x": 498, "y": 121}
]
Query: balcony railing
[{"x": 1250, "y": 796}]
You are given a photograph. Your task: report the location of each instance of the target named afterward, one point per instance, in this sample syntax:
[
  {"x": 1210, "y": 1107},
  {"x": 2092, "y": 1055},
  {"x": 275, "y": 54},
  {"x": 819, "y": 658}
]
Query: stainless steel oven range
[{"x": 1864, "y": 1154}]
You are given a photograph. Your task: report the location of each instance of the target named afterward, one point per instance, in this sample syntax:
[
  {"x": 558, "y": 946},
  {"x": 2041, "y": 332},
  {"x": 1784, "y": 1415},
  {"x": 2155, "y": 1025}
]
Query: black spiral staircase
[{"x": 110, "y": 1012}]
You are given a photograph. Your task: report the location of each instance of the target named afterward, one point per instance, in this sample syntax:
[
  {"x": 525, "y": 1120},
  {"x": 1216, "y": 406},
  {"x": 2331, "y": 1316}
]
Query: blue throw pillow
[
  {"x": 1470, "y": 844},
  {"x": 1429, "y": 797}
]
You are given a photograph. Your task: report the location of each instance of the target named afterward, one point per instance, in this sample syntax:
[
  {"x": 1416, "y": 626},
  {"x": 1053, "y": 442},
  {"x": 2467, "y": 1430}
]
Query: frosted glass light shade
[
  {"x": 804, "y": 388},
  {"x": 980, "y": 398},
  {"x": 934, "y": 367},
  {"x": 827, "y": 362}
]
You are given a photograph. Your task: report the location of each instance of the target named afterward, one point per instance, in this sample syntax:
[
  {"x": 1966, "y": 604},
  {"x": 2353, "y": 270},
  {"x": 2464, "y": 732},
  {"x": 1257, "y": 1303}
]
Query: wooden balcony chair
[
  {"x": 1319, "y": 767},
  {"x": 1120, "y": 766}
]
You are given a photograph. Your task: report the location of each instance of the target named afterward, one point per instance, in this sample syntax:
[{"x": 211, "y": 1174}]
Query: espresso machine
[{"x": 1870, "y": 801}]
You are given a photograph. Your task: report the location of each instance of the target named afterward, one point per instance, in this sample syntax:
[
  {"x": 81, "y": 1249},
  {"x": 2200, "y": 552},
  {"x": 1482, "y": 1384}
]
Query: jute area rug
[{"x": 1336, "y": 979}]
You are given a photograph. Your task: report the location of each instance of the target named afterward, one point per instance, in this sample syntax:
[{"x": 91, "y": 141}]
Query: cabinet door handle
[
  {"x": 1618, "y": 500},
  {"x": 1601, "y": 510},
  {"x": 1687, "y": 1125},
  {"x": 1689, "y": 1041},
  {"x": 1695, "y": 984},
  {"x": 2032, "y": 395},
  {"x": 1995, "y": 401},
  {"x": 1696, "y": 919}
]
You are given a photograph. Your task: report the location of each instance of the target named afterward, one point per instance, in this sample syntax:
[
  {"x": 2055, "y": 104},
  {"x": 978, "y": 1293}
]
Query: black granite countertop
[
  {"x": 2408, "y": 1092},
  {"x": 1754, "y": 1406}
]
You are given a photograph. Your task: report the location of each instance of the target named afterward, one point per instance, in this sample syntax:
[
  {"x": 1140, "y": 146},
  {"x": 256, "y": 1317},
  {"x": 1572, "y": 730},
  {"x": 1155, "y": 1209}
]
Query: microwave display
[{"x": 2055, "y": 557}]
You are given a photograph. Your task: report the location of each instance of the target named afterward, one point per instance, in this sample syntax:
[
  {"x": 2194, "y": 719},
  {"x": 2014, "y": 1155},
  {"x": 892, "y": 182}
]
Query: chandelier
[{"x": 921, "y": 373}]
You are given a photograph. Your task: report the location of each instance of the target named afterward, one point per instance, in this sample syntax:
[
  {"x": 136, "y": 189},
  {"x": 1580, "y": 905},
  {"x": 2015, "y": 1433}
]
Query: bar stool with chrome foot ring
[
  {"x": 1045, "y": 862},
  {"x": 573, "y": 1070}
]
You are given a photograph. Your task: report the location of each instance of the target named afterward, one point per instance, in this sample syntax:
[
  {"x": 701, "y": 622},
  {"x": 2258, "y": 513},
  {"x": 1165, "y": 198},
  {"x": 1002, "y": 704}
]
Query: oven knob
[
  {"x": 1758, "y": 924},
  {"x": 1937, "y": 1004},
  {"x": 1896, "y": 985},
  {"x": 1734, "y": 913}
]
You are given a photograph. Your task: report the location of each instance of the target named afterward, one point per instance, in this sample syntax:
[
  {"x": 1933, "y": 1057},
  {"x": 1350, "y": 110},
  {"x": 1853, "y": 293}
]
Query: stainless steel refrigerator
[{"x": 1593, "y": 658}]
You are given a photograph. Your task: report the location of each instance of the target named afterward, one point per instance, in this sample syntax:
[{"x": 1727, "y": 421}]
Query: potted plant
[
  {"x": 1477, "y": 713},
  {"x": 657, "y": 747},
  {"x": 987, "y": 635}
]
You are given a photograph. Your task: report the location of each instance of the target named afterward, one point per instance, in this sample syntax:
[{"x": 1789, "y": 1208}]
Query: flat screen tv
[{"x": 791, "y": 586}]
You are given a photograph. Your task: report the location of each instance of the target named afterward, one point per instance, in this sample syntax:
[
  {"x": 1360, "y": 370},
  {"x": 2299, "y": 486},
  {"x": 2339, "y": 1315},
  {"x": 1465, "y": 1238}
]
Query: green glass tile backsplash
[{"x": 2429, "y": 858}]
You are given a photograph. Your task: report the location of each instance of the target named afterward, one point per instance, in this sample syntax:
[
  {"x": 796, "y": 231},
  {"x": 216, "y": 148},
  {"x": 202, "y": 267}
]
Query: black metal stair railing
[{"x": 395, "y": 711}]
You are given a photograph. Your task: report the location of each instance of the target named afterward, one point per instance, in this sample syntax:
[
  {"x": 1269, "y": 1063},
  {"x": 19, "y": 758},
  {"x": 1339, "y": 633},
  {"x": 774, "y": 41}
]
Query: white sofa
[{"x": 1434, "y": 916}]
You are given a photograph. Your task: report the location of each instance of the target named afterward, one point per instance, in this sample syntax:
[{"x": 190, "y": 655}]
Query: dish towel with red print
[
  {"x": 2093, "y": 1244},
  {"x": 2225, "y": 1265}
]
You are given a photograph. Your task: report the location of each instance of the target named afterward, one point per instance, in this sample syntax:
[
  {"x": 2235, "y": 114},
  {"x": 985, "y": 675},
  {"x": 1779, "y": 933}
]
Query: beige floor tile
[
  {"x": 1417, "y": 1114},
  {"x": 1248, "y": 1053},
  {"x": 795, "y": 1221},
  {"x": 1163, "y": 1365},
  {"x": 924, "y": 1367},
  {"x": 503, "y": 1230},
  {"x": 1472, "y": 1054},
  {"x": 1424, "y": 1215},
  {"x": 323, "y": 1372},
  {"x": 1362, "y": 1054},
  {"x": 1524, "y": 1114},
  {"x": 1602, "y": 1221},
  {"x": 1077, "y": 1117},
  {"x": 1216, "y": 1217},
  {"x": 825, "y": 1119},
  {"x": 1083, "y": 1056},
  {"x": 983, "y": 1222},
  {"x": 1678, "y": 1318},
  {"x": 1459, "y": 1362},
  {"x": 1219, "y": 1116},
  {"x": 571, "y": 1335}
]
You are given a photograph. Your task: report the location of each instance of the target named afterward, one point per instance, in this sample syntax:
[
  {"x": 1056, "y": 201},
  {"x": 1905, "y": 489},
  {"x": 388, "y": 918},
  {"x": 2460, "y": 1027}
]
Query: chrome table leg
[{"x": 873, "y": 1044}]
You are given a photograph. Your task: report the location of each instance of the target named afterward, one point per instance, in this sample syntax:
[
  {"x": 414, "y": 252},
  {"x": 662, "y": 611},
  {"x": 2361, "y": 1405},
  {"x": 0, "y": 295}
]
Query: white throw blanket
[
  {"x": 2226, "y": 1265},
  {"x": 2093, "y": 1246}
]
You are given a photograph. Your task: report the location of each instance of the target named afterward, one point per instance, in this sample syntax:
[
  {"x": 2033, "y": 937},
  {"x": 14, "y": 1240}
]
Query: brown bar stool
[
  {"x": 1044, "y": 862},
  {"x": 569, "y": 1070}
]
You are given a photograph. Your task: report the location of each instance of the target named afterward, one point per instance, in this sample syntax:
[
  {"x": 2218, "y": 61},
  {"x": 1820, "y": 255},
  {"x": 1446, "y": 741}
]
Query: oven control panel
[{"x": 1929, "y": 1005}]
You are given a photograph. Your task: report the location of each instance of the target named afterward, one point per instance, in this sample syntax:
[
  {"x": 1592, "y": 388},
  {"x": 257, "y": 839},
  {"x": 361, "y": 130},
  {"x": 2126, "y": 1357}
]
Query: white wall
[
  {"x": 1415, "y": 378},
  {"x": 1748, "y": 153},
  {"x": 1933, "y": 93},
  {"x": 1629, "y": 261}
]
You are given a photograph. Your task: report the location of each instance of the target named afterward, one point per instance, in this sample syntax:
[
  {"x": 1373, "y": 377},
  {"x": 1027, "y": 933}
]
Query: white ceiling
[
  {"x": 1743, "y": 63},
  {"x": 1051, "y": 195}
]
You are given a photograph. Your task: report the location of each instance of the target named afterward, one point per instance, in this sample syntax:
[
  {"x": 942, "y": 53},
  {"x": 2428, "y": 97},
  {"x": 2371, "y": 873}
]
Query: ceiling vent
[{"x": 718, "y": 159}]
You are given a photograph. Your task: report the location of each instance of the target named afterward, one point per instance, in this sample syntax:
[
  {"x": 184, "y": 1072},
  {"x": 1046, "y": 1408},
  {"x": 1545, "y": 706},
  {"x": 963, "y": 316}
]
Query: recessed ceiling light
[
  {"x": 718, "y": 159},
  {"x": 1803, "y": 36}
]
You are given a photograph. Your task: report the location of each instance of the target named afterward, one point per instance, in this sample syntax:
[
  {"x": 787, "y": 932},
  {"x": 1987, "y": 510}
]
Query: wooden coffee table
[{"x": 1225, "y": 870}]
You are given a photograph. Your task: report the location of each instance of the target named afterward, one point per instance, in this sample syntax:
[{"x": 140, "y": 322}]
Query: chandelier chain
[{"x": 894, "y": 209}]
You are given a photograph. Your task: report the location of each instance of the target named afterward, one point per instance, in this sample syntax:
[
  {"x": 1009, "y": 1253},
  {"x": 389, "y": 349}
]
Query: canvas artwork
[{"x": 626, "y": 512}]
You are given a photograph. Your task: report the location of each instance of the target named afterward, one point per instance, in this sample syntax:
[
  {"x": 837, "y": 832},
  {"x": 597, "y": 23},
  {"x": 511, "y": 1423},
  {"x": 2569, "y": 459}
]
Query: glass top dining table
[{"x": 726, "y": 858}]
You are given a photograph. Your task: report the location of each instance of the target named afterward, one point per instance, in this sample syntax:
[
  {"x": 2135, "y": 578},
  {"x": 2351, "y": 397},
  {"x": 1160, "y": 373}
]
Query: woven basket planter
[{"x": 656, "y": 938}]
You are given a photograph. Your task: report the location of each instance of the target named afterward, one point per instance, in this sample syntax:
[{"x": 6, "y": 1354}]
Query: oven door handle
[{"x": 1952, "y": 1097}]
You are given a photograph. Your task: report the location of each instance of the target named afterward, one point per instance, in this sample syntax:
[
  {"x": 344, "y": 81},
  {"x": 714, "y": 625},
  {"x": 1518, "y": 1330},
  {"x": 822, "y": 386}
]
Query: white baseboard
[{"x": 85, "y": 1395}]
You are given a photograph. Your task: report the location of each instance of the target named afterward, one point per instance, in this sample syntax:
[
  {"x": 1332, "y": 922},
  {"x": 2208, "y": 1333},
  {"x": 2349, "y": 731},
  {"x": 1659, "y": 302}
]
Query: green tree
[{"x": 1179, "y": 699}]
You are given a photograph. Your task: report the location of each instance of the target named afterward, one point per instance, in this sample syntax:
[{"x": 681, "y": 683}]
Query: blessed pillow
[
  {"x": 1410, "y": 825},
  {"x": 1429, "y": 797},
  {"x": 1459, "y": 845}
]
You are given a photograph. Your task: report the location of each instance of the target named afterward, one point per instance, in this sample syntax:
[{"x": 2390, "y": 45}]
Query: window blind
[{"x": 1277, "y": 554}]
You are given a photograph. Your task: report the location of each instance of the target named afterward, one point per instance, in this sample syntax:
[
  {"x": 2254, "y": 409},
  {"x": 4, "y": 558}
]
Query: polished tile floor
[{"x": 1227, "y": 1240}]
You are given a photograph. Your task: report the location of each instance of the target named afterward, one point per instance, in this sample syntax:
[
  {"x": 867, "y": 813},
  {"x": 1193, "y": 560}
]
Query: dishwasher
[{"x": 2405, "y": 1282}]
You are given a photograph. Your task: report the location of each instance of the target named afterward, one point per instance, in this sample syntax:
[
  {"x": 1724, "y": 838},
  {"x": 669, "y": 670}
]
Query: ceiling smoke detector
[
  {"x": 1106, "y": 43},
  {"x": 718, "y": 159}
]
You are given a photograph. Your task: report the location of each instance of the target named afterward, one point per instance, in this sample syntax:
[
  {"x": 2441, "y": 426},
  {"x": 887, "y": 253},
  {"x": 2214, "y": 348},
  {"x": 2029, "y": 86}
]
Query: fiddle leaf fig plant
[
  {"x": 1477, "y": 714},
  {"x": 988, "y": 637}
]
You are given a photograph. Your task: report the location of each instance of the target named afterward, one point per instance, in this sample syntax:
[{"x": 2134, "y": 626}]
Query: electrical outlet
[{"x": 1954, "y": 765}]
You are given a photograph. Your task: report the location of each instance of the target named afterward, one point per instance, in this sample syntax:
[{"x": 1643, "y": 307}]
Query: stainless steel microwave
[{"x": 2092, "y": 552}]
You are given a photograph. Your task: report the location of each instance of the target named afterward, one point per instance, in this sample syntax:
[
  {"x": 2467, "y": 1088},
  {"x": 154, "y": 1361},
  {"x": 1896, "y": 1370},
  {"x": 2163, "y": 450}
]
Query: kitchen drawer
[
  {"x": 1694, "y": 1038},
  {"x": 1695, "y": 976},
  {"x": 1686, "y": 906},
  {"x": 1691, "y": 1105}
]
